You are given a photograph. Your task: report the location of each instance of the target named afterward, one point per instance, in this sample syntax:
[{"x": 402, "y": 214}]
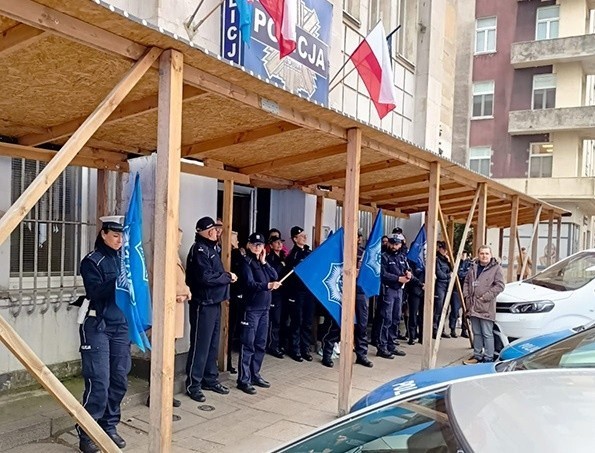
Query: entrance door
[{"x": 244, "y": 203}]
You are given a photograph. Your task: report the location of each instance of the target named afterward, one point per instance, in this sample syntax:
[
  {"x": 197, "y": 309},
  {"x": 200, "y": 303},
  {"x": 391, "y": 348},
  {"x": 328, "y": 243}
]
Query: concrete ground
[{"x": 303, "y": 396}]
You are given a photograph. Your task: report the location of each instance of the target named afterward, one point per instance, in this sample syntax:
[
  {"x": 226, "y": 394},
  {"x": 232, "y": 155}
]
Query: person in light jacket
[{"x": 484, "y": 281}]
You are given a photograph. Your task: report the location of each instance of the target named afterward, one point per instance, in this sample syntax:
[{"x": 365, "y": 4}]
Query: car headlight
[{"x": 533, "y": 307}]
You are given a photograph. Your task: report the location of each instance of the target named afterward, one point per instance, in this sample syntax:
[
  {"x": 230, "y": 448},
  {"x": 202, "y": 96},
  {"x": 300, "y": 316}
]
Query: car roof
[{"x": 545, "y": 410}]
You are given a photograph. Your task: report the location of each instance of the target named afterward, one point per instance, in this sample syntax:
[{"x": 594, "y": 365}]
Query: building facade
[
  {"x": 524, "y": 104},
  {"x": 39, "y": 275}
]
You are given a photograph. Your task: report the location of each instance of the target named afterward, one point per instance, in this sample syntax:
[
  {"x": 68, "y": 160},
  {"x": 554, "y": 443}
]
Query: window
[
  {"x": 485, "y": 35},
  {"x": 46, "y": 248},
  {"x": 351, "y": 7},
  {"x": 544, "y": 91},
  {"x": 548, "y": 20},
  {"x": 540, "y": 160},
  {"x": 480, "y": 159},
  {"x": 483, "y": 99}
]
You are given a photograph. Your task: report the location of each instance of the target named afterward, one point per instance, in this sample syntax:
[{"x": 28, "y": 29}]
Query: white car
[
  {"x": 527, "y": 411},
  {"x": 559, "y": 297}
]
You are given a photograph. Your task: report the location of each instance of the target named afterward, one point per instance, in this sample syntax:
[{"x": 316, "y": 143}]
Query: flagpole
[
  {"x": 209, "y": 14},
  {"x": 193, "y": 16},
  {"x": 285, "y": 278}
]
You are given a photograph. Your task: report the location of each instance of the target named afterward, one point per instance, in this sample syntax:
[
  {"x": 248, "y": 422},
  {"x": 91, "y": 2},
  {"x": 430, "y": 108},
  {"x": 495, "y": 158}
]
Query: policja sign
[{"x": 305, "y": 71}]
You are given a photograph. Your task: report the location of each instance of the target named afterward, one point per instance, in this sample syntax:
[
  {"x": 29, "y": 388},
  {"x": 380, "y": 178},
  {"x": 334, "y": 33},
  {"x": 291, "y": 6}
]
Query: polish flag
[
  {"x": 372, "y": 61},
  {"x": 284, "y": 15}
]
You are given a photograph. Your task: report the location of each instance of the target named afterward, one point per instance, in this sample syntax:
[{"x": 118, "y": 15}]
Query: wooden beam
[
  {"x": 167, "y": 206},
  {"x": 269, "y": 182},
  {"x": 340, "y": 174},
  {"x": 18, "y": 37},
  {"x": 319, "y": 216},
  {"x": 534, "y": 242},
  {"x": 431, "y": 238},
  {"x": 123, "y": 112},
  {"x": 550, "y": 239},
  {"x": 296, "y": 159},
  {"x": 514, "y": 215},
  {"x": 215, "y": 173},
  {"x": 500, "y": 243},
  {"x": 413, "y": 193},
  {"x": 460, "y": 199},
  {"x": 42, "y": 374},
  {"x": 226, "y": 258},
  {"x": 350, "y": 212},
  {"x": 401, "y": 182},
  {"x": 199, "y": 149},
  {"x": 17, "y": 212},
  {"x": 480, "y": 233},
  {"x": 558, "y": 237},
  {"x": 450, "y": 231},
  {"x": 87, "y": 157}
]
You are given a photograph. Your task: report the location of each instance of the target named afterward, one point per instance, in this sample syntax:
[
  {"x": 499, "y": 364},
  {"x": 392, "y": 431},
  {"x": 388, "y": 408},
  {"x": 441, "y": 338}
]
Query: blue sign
[{"x": 306, "y": 70}]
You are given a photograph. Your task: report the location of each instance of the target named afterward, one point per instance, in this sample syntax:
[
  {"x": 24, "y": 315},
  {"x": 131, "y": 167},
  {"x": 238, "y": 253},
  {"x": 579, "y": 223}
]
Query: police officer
[
  {"x": 443, "y": 271},
  {"x": 393, "y": 276},
  {"x": 235, "y": 300},
  {"x": 276, "y": 258},
  {"x": 105, "y": 345},
  {"x": 257, "y": 278},
  {"x": 301, "y": 302},
  {"x": 209, "y": 285}
]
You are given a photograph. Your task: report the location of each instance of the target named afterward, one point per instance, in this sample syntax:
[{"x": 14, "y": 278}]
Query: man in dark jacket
[
  {"x": 276, "y": 259},
  {"x": 257, "y": 278},
  {"x": 415, "y": 300},
  {"x": 209, "y": 285},
  {"x": 300, "y": 300},
  {"x": 484, "y": 282},
  {"x": 393, "y": 276},
  {"x": 443, "y": 271},
  {"x": 455, "y": 300}
]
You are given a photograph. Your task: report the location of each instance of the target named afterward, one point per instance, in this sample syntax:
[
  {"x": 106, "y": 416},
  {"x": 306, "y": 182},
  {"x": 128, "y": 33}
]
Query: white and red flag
[
  {"x": 372, "y": 61},
  {"x": 284, "y": 15}
]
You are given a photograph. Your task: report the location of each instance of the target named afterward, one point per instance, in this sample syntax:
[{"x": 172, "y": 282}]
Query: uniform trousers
[
  {"x": 301, "y": 306},
  {"x": 253, "y": 344}
]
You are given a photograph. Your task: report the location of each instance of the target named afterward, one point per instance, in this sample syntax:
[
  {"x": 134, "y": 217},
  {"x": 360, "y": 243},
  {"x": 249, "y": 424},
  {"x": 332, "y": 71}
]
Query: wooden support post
[
  {"x": 457, "y": 261},
  {"x": 350, "y": 210},
  {"x": 167, "y": 202},
  {"x": 450, "y": 228},
  {"x": 431, "y": 237},
  {"x": 102, "y": 195},
  {"x": 558, "y": 238},
  {"x": 21, "y": 350},
  {"x": 30, "y": 196},
  {"x": 550, "y": 239},
  {"x": 480, "y": 232},
  {"x": 318, "y": 220},
  {"x": 514, "y": 216},
  {"x": 226, "y": 258},
  {"x": 500, "y": 243},
  {"x": 534, "y": 239}
]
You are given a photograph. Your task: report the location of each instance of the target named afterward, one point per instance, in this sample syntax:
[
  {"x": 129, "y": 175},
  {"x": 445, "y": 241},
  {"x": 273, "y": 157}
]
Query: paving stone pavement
[{"x": 302, "y": 397}]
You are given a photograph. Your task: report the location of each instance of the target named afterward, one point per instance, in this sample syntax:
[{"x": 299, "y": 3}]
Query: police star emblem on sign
[
  {"x": 333, "y": 282},
  {"x": 373, "y": 259}
]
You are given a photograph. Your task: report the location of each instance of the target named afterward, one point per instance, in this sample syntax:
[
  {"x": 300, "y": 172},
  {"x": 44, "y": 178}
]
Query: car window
[
  {"x": 417, "y": 425},
  {"x": 569, "y": 274},
  {"x": 577, "y": 351}
]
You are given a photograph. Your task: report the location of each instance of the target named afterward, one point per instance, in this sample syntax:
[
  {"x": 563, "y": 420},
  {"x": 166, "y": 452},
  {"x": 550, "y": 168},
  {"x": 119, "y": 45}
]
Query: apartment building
[{"x": 524, "y": 105}]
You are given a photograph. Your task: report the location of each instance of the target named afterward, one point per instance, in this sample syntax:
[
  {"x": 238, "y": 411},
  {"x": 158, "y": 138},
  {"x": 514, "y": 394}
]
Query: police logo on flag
[
  {"x": 333, "y": 282},
  {"x": 373, "y": 257}
]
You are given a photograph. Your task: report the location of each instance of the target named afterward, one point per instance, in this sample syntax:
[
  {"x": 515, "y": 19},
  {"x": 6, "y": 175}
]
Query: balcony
[
  {"x": 578, "y": 190},
  {"x": 570, "y": 119},
  {"x": 552, "y": 51}
]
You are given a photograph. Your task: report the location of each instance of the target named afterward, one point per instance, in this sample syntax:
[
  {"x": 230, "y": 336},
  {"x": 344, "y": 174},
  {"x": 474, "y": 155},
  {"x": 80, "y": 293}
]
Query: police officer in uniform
[
  {"x": 301, "y": 301},
  {"x": 105, "y": 344},
  {"x": 393, "y": 276},
  {"x": 257, "y": 278},
  {"x": 209, "y": 285},
  {"x": 276, "y": 258}
]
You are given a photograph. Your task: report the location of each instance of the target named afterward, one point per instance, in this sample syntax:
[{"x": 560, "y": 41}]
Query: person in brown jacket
[{"x": 483, "y": 283}]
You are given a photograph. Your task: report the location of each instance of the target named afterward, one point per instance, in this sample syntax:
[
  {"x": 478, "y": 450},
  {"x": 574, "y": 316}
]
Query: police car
[
  {"x": 488, "y": 414},
  {"x": 577, "y": 350}
]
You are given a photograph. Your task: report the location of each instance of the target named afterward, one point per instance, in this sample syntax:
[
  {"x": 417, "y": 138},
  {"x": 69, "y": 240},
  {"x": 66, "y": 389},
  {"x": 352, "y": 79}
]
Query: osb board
[
  {"x": 56, "y": 80},
  {"x": 10, "y": 128},
  {"x": 207, "y": 117},
  {"x": 6, "y": 23}
]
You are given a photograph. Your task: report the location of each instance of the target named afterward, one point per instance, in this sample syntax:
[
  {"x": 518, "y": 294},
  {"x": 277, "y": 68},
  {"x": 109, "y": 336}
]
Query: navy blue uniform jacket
[
  {"x": 99, "y": 270},
  {"x": 293, "y": 284},
  {"x": 393, "y": 266},
  {"x": 205, "y": 276},
  {"x": 255, "y": 278}
]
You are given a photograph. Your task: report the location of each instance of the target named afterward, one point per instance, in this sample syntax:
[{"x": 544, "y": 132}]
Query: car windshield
[
  {"x": 419, "y": 424},
  {"x": 577, "y": 351},
  {"x": 567, "y": 275}
]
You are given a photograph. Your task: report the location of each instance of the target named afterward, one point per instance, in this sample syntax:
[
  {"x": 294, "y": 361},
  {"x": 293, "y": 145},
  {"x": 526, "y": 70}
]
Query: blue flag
[
  {"x": 246, "y": 13},
  {"x": 132, "y": 286},
  {"x": 322, "y": 273},
  {"x": 417, "y": 249},
  {"x": 368, "y": 278}
]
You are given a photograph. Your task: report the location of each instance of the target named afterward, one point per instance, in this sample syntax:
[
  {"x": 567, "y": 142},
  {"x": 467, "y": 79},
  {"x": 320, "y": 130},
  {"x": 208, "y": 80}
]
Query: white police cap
[{"x": 112, "y": 222}]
